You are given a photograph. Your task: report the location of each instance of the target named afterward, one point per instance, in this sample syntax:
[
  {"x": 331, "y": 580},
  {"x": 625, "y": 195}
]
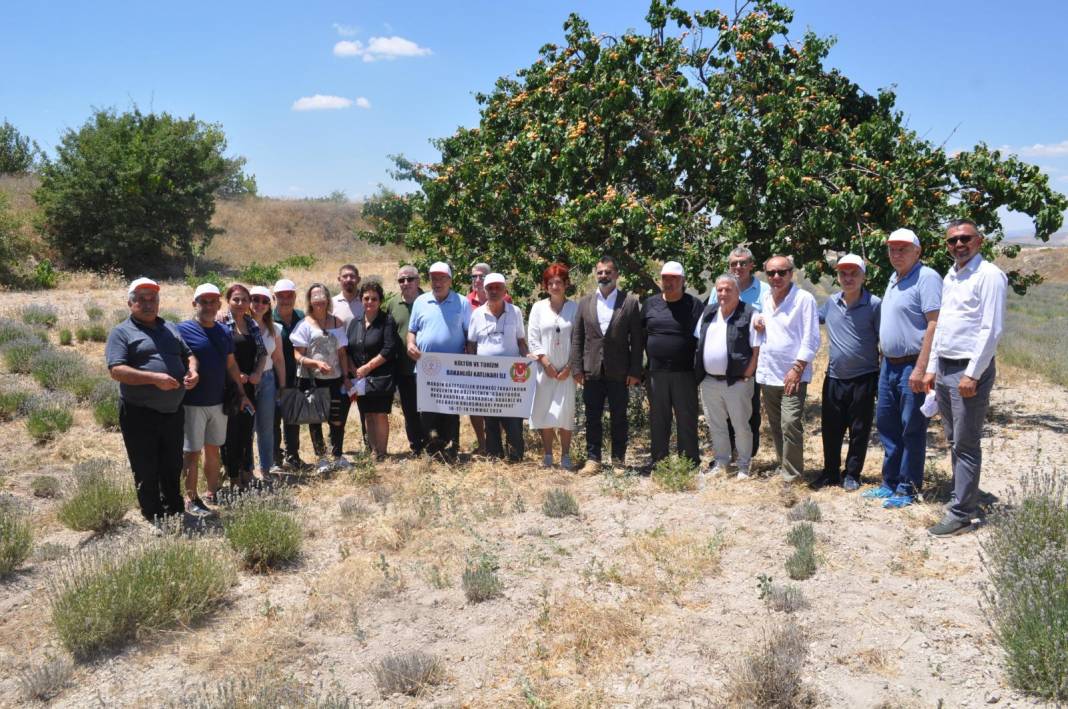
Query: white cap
[
  {"x": 206, "y": 289},
  {"x": 441, "y": 267},
  {"x": 494, "y": 278},
  {"x": 672, "y": 268},
  {"x": 903, "y": 236},
  {"x": 851, "y": 260},
  {"x": 142, "y": 283},
  {"x": 285, "y": 285},
  {"x": 259, "y": 290}
]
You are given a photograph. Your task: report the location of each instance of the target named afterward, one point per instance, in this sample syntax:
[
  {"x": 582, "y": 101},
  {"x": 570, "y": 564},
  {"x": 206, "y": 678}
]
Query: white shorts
[{"x": 204, "y": 425}]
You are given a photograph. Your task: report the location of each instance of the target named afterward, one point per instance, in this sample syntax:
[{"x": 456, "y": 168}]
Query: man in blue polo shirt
[
  {"x": 439, "y": 324},
  {"x": 852, "y": 320},
  {"x": 909, "y": 313}
]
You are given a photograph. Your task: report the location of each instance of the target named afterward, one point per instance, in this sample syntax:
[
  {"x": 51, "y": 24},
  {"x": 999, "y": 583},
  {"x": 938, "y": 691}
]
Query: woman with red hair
[{"x": 549, "y": 338}]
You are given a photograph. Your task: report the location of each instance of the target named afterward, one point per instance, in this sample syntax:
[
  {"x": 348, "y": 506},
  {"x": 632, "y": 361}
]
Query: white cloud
[
  {"x": 318, "y": 102},
  {"x": 362, "y": 102},
  {"x": 346, "y": 30},
  {"x": 345, "y": 48},
  {"x": 379, "y": 48},
  {"x": 1043, "y": 150}
]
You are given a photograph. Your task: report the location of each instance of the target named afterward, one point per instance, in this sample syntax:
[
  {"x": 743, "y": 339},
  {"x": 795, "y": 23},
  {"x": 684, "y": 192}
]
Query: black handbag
[{"x": 300, "y": 406}]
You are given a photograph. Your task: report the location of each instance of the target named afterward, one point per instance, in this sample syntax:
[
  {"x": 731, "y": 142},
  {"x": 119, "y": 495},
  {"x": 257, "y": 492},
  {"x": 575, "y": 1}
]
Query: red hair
[
  {"x": 235, "y": 286},
  {"x": 555, "y": 270}
]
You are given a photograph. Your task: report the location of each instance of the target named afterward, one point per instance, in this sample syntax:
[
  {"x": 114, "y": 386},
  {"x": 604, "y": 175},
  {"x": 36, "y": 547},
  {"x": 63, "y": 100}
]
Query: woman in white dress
[{"x": 549, "y": 339}]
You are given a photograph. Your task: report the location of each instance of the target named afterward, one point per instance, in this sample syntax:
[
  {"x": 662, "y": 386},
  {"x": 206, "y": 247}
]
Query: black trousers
[
  {"x": 406, "y": 389},
  {"x": 754, "y": 421},
  {"x": 154, "y": 446},
  {"x": 848, "y": 405},
  {"x": 673, "y": 395},
  {"x": 237, "y": 451},
  {"x": 513, "y": 430},
  {"x": 339, "y": 413},
  {"x": 442, "y": 433},
  {"x": 290, "y": 434},
  {"x": 595, "y": 392}
]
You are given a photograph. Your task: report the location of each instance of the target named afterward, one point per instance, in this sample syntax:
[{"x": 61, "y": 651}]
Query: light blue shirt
[
  {"x": 903, "y": 320},
  {"x": 754, "y": 294},
  {"x": 440, "y": 327},
  {"x": 854, "y": 334}
]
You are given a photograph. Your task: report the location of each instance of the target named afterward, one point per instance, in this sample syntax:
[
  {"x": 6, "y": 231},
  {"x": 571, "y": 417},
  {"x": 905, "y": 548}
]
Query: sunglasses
[
  {"x": 738, "y": 264},
  {"x": 772, "y": 273},
  {"x": 261, "y": 300},
  {"x": 477, "y": 277},
  {"x": 407, "y": 279},
  {"x": 966, "y": 239}
]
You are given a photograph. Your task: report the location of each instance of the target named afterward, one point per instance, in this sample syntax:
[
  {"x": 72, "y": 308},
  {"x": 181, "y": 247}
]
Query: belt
[
  {"x": 947, "y": 362},
  {"x": 719, "y": 377},
  {"x": 907, "y": 359}
]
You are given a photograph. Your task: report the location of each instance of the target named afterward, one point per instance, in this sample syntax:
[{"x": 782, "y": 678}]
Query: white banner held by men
[{"x": 475, "y": 385}]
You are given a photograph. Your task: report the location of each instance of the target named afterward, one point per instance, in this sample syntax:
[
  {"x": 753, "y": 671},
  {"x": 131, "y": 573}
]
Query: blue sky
[{"x": 406, "y": 72}]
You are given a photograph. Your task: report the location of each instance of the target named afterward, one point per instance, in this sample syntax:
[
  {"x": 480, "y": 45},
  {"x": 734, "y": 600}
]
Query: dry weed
[
  {"x": 659, "y": 563},
  {"x": 770, "y": 675}
]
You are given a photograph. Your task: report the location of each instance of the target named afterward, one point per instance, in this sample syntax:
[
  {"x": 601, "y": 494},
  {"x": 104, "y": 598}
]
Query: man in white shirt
[
  {"x": 496, "y": 330},
  {"x": 792, "y": 338},
  {"x": 347, "y": 303},
  {"x": 728, "y": 346},
  {"x": 962, "y": 358}
]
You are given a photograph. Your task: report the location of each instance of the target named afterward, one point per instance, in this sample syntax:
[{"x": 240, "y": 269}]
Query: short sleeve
[
  {"x": 183, "y": 346},
  {"x": 822, "y": 312},
  {"x": 930, "y": 290},
  {"x": 416, "y": 316},
  {"x": 520, "y": 330},
  {"x": 116, "y": 350},
  {"x": 301, "y": 335},
  {"x": 342, "y": 337}
]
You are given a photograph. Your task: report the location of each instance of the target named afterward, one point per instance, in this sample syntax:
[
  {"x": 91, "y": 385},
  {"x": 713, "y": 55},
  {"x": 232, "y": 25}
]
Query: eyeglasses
[
  {"x": 261, "y": 300},
  {"x": 965, "y": 239},
  {"x": 477, "y": 277},
  {"x": 772, "y": 273},
  {"x": 407, "y": 279},
  {"x": 739, "y": 264}
]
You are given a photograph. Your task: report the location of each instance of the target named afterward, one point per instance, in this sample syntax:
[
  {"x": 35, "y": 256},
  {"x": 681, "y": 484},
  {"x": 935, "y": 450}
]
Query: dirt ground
[{"x": 647, "y": 598}]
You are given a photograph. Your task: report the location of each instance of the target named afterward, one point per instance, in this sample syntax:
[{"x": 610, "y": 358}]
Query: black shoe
[{"x": 826, "y": 480}]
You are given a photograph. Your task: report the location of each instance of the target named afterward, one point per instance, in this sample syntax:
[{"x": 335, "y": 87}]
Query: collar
[
  {"x": 789, "y": 296},
  {"x": 894, "y": 280},
  {"x": 444, "y": 300},
  {"x": 156, "y": 324},
  {"x": 605, "y": 298},
  {"x": 864, "y": 299},
  {"x": 972, "y": 265}
]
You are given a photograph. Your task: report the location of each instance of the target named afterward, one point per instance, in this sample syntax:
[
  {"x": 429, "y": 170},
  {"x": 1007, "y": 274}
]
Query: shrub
[
  {"x": 45, "y": 486},
  {"x": 102, "y": 600},
  {"x": 1026, "y": 556},
  {"x": 265, "y": 538},
  {"x": 802, "y": 563},
  {"x": 675, "y": 474},
  {"x": 406, "y": 673},
  {"x": 781, "y": 597},
  {"x": 480, "y": 580},
  {"x": 40, "y": 315},
  {"x": 13, "y": 402},
  {"x": 66, "y": 337},
  {"x": 54, "y": 368},
  {"x": 45, "y": 681},
  {"x": 559, "y": 503},
  {"x": 260, "y": 274},
  {"x": 92, "y": 332},
  {"x": 263, "y": 690},
  {"x": 298, "y": 261},
  {"x": 48, "y": 415},
  {"x": 193, "y": 280},
  {"x": 16, "y": 539},
  {"x": 44, "y": 276},
  {"x": 801, "y": 534},
  {"x": 101, "y": 497},
  {"x": 105, "y": 402},
  {"x": 770, "y": 676},
  {"x": 19, "y": 354},
  {"x": 15, "y": 330},
  {"x": 94, "y": 312},
  {"x": 808, "y": 511}
]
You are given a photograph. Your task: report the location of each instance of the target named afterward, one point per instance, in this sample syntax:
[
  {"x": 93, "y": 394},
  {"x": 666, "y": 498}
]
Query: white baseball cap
[
  {"x": 903, "y": 236},
  {"x": 206, "y": 289},
  {"x": 142, "y": 283},
  {"x": 259, "y": 290},
  {"x": 441, "y": 267},
  {"x": 494, "y": 278},
  {"x": 851, "y": 260},
  {"x": 285, "y": 285},
  {"x": 672, "y": 268}
]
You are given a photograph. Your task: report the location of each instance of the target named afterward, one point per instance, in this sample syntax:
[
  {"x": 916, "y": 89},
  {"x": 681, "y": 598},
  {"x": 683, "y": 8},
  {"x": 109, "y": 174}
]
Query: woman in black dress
[
  {"x": 250, "y": 354},
  {"x": 373, "y": 349}
]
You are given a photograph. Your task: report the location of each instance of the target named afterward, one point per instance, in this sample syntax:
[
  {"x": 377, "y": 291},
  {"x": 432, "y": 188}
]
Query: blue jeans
[
  {"x": 902, "y": 428},
  {"x": 265, "y": 403}
]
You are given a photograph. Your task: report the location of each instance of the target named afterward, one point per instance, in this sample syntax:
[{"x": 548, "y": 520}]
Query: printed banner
[{"x": 475, "y": 385}]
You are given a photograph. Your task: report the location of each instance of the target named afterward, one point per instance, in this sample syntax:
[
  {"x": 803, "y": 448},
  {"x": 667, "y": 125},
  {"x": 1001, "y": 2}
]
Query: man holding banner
[
  {"x": 496, "y": 330},
  {"x": 439, "y": 324}
]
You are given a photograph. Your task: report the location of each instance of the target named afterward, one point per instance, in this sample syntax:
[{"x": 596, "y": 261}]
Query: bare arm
[{"x": 918, "y": 379}]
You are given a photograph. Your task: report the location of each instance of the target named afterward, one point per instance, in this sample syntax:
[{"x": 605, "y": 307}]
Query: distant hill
[{"x": 1028, "y": 239}]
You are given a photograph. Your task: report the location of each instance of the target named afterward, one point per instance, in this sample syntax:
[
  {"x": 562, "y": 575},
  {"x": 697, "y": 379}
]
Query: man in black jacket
[
  {"x": 606, "y": 358},
  {"x": 728, "y": 346}
]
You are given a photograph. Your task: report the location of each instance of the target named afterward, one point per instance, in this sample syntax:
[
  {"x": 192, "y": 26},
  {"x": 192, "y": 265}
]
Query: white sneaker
[
  {"x": 324, "y": 466},
  {"x": 742, "y": 475},
  {"x": 342, "y": 463},
  {"x": 276, "y": 470},
  {"x": 716, "y": 469}
]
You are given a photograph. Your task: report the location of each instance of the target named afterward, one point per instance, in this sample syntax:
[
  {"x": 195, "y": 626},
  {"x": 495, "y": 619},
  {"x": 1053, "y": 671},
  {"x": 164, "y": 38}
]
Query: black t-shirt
[{"x": 669, "y": 328}]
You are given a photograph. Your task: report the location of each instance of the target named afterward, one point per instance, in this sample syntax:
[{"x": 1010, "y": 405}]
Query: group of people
[{"x": 210, "y": 383}]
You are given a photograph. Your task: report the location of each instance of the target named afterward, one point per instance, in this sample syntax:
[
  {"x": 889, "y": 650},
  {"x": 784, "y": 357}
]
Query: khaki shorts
[{"x": 204, "y": 425}]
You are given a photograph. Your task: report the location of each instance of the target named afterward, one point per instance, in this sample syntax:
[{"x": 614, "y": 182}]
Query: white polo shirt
[{"x": 496, "y": 337}]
